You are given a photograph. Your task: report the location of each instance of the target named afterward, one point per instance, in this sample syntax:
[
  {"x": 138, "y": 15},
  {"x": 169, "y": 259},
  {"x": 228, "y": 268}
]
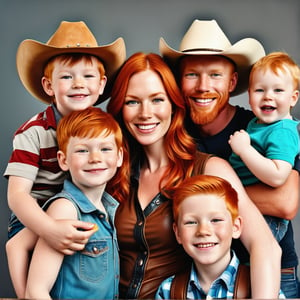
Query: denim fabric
[
  {"x": 92, "y": 273},
  {"x": 14, "y": 226},
  {"x": 278, "y": 226},
  {"x": 290, "y": 284}
]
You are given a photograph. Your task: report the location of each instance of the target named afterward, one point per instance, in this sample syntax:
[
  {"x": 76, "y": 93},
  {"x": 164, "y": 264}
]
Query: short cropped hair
[
  {"x": 278, "y": 61},
  {"x": 70, "y": 59},
  {"x": 91, "y": 122},
  {"x": 206, "y": 185}
]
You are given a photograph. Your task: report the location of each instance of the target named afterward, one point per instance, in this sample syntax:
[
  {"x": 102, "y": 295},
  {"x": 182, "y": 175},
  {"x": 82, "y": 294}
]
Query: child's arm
[
  {"x": 46, "y": 261},
  {"x": 62, "y": 235},
  {"x": 265, "y": 253},
  {"x": 271, "y": 172}
]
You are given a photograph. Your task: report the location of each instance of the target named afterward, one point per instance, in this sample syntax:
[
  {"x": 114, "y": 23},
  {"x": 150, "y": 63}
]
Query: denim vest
[{"x": 92, "y": 273}]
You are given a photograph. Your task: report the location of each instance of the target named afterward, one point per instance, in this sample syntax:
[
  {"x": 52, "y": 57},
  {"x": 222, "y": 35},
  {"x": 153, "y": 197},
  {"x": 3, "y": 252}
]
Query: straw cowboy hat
[
  {"x": 70, "y": 37},
  {"x": 207, "y": 38}
]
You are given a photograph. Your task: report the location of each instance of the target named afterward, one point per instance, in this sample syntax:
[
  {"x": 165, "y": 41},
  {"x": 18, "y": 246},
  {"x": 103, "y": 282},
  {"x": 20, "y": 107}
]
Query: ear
[
  {"x": 120, "y": 157},
  {"x": 237, "y": 227},
  {"x": 62, "y": 161},
  {"x": 233, "y": 81},
  {"x": 295, "y": 97},
  {"x": 102, "y": 85},
  {"x": 176, "y": 230},
  {"x": 47, "y": 86}
]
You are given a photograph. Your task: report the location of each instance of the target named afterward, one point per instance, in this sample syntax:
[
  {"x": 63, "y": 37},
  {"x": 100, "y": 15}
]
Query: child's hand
[
  {"x": 238, "y": 141},
  {"x": 95, "y": 228},
  {"x": 69, "y": 236}
]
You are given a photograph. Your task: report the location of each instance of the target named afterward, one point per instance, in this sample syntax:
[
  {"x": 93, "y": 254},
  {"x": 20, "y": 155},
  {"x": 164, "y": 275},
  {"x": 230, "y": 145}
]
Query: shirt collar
[
  {"x": 227, "y": 278},
  {"x": 57, "y": 115}
]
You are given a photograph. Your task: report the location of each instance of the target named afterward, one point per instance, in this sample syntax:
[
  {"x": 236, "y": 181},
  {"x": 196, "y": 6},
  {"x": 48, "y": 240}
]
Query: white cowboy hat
[
  {"x": 70, "y": 37},
  {"x": 207, "y": 38}
]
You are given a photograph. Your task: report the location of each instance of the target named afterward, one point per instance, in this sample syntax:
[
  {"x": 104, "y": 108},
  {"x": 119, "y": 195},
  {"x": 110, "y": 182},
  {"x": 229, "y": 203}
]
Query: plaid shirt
[{"x": 222, "y": 287}]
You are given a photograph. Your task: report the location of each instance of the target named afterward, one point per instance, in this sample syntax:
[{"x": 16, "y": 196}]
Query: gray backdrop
[{"x": 274, "y": 22}]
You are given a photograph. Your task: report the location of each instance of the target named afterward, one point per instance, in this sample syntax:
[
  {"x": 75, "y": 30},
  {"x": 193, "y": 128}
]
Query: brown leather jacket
[{"x": 149, "y": 252}]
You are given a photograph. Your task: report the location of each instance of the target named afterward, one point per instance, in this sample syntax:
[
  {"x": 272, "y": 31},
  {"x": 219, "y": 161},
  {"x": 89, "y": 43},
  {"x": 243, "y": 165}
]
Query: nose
[
  {"x": 95, "y": 156},
  {"x": 145, "y": 110},
  {"x": 202, "y": 83},
  {"x": 78, "y": 82},
  {"x": 203, "y": 229},
  {"x": 268, "y": 94}
]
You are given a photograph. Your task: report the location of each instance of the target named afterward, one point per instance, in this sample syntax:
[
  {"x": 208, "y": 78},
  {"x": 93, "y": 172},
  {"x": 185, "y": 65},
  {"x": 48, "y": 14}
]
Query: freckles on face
[
  {"x": 92, "y": 161},
  {"x": 205, "y": 228},
  {"x": 205, "y": 73},
  {"x": 76, "y": 87},
  {"x": 147, "y": 109},
  {"x": 206, "y": 83}
]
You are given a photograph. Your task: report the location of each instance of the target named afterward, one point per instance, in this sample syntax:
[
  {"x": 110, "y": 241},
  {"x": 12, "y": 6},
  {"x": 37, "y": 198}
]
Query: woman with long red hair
[{"x": 150, "y": 109}]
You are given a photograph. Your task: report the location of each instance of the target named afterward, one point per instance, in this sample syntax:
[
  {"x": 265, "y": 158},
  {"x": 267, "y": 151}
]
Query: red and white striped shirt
[{"x": 34, "y": 155}]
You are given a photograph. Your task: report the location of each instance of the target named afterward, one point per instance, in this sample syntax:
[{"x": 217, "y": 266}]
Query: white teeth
[
  {"x": 205, "y": 245},
  {"x": 146, "y": 127},
  {"x": 203, "y": 100}
]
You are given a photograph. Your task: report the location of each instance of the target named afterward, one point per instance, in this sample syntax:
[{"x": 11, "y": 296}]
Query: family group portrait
[{"x": 150, "y": 149}]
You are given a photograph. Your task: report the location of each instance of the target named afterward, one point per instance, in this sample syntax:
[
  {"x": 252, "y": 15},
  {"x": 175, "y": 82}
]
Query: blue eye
[
  {"x": 157, "y": 100},
  {"x": 106, "y": 149},
  {"x": 81, "y": 151},
  {"x": 215, "y": 75},
  {"x": 191, "y": 75},
  {"x": 216, "y": 220},
  {"x": 278, "y": 90},
  {"x": 131, "y": 102},
  {"x": 190, "y": 223},
  {"x": 66, "y": 77}
]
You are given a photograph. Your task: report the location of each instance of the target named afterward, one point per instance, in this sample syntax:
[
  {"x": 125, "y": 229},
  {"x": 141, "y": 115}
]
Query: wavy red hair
[{"x": 179, "y": 146}]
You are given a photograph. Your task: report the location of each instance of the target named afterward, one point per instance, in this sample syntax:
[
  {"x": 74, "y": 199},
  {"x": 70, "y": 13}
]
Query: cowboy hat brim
[
  {"x": 33, "y": 55},
  {"x": 244, "y": 54}
]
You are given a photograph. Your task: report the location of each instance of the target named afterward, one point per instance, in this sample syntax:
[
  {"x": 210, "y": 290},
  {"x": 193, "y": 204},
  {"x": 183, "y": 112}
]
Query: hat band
[{"x": 202, "y": 49}]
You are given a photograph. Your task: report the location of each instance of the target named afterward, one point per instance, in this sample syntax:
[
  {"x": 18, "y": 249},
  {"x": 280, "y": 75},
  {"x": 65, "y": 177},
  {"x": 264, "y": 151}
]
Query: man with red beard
[{"x": 210, "y": 70}]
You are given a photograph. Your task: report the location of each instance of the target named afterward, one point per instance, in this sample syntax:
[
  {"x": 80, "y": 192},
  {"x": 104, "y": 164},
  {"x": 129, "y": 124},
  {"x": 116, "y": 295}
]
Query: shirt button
[
  {"x": 157, "y": 201},
  {"x": 141, "y": 262}
]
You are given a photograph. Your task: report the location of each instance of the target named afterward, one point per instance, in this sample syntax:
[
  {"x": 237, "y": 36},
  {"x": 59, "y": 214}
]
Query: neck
[
  {"x": 219, "y": 123},
  {"x": 208, "y": 273},
  {"x": 156, "y": 158}
]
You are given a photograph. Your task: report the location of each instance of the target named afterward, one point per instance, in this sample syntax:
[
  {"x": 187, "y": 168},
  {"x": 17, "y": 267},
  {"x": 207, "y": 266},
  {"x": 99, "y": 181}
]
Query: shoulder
[
  {"x": 202, "y": 157},
  {"x": 215, "y": 162},
  {"x": 62, "y": 208},
  {"x": 201, "y": 160},
  {"x": 285, "y": 128},
  {"x": 242, "y": 117},
  {"x": 292, "y": 124},
  {"x": 44, "y": 119},
  {"x": 243, "y": 112}
]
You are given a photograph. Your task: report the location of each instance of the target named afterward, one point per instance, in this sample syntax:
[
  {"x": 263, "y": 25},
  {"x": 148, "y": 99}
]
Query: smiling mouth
[
  {"x": 146, "y": 127},
  {"x": 78, "y": 96},
  {"x": 202, "y": 100},
  {"x": 268, "y": 108},
  {"x": 205, "y": 245},
  {"x": 95, "y": 170}
]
